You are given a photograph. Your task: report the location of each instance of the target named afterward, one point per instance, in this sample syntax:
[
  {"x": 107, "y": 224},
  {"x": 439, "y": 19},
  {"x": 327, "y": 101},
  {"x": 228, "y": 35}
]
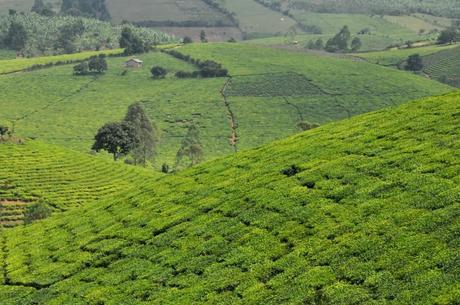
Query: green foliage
[
  {"x": 339, "y": 43},
  {"x": 36, "y": 211},
  {"x": 414, "y": 63},
  {"x": 270, "y": 91},
  {"x": 17, "y": 37},
  {"x": 158, "y": 72},
  {"x": 146, "y": 132},
  {"x": 116, "y": 138},
  {"x": 370, "y": 217},
  {"x": 450, "y": 35},
  {"x": 304, "y": 126},
  {"x": 132, "y": 43},
  {"x": 187, "y": 39},
  {"x": 87, "y": 8},
  {"x": 3, "y": 131},
  {"x": 97, "y": 64},
  {"x": 61, "y": 34},
  {"x": 356, "y": 44},
  {"x": 203, "y": 36},
  {"x": 191, "y": 148},
  {"x": 444, "y": 66}
]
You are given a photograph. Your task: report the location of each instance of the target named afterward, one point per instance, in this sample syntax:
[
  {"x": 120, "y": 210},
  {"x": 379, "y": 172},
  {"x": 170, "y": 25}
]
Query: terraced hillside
[
  {"x": 256, "y": 105},
  {"x": 444, "y": 66},
  {"x": 34, "y": 172},
  {"x": 364, "y": 211}
]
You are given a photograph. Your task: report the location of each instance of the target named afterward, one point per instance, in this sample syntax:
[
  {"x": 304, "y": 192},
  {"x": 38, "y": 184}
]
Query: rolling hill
[
  {"x": 37, "y": 172},
  {"x": 363, "y": 211},
  {"x": 269, "y": 92}
]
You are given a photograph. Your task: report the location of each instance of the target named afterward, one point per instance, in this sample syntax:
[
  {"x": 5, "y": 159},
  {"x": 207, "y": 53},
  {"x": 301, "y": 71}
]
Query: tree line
[{"x": 83, "y": 8}]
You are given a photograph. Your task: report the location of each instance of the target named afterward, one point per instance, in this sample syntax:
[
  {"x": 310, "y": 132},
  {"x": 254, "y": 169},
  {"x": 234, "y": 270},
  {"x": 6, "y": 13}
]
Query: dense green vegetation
[
  {"x": 269, "y": 93},
  {"x": 57, "y": 35},
  {"x": 37, "y": 172},
  {"x": 444, "y": 66},
  {"x": 363, "y": 211}
]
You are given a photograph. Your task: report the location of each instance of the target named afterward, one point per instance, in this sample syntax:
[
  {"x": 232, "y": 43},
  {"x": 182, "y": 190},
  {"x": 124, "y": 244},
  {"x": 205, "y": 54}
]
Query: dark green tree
[
  {"x": 339, "y": 43},
  {"x": 191, "y": 148},
  {"x": 3, "y": 131},
  {"x": 449, "y": 35},
  {"x": 131, "y": 42},
  {"x": 414, "y": 63},
  {"x": 67, "y": 35},
  {"x": 41, "y": 8},
  {"x": 203, "y": 37},
  {"x": 356, "y": 44},
  {"x": 116, "y": 138},
  {"x": 81, "y": 69},
  {"x": 158, "y": 72},
  {"x": 16, "y": 37},
  {"x": 319, "y": 44},
  {"x": 187, "y": 39},
  {"x": 97, "y": 64},
  {"x": 147, "y": 134}
]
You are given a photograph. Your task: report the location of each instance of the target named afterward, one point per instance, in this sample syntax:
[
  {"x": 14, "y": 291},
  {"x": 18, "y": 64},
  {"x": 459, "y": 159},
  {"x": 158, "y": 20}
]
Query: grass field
[
  {"x": 60, "y": 108},
  {"x": 7, "y": 54},
  {"x": 364, "y": 211},
  {"x": 414, "y": 23},
  {"x": 20, "y": 64}
]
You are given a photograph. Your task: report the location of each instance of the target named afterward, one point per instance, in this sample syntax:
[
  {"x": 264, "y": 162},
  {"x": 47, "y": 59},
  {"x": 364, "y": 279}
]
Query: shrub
[
  {"x": 291, "y": 171},
  {"x": 158, "y": 72},
  {"x": 36, "y": 211}
]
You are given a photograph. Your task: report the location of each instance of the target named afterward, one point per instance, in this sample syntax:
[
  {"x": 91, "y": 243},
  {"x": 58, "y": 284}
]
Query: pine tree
[{"x": 147, "y": 134}]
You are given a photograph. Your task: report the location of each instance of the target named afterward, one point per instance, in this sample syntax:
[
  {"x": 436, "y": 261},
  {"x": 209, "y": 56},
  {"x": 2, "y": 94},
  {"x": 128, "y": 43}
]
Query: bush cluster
[{"x": 207, "y": 68}]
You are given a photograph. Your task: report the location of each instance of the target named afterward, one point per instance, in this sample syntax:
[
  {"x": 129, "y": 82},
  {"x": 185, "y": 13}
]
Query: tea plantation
[
  {"x": 269, "y": 93},
  {"x": 364, "y": 211},
  {"x": 36, "y": 172}
]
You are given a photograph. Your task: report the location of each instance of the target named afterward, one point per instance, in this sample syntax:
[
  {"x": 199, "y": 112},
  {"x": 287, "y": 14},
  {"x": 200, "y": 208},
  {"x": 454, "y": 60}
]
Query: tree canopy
[{"x": 116, "y": 138}]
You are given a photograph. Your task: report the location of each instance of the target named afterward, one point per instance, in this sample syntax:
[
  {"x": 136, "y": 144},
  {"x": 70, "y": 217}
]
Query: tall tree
[
  {"x": 16, "y": 37},
  {"x": 191, "y": 147},
  {"x": 147, "y": 134},
  {"x": 131, "y": 43},
  {"x": 356, "y": 44},
  {"x": 339, "y": 42},
  {"x": 414, "y": 63},
  {"x": 116, "y": 138},
  {"x": 203, "y": 36}
]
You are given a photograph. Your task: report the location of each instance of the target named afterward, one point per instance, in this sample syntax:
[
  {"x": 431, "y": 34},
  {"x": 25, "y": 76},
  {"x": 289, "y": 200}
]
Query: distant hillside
[
  {"x": 360, "y": 212},
  {"x": 447, "y": 8},
  {"x": 66, "y": 34},
  {"x": 269, "y": 94}
]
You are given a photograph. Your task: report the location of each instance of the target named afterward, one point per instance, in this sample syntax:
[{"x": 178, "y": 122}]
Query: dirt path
[{"x": 231, "y": 116}]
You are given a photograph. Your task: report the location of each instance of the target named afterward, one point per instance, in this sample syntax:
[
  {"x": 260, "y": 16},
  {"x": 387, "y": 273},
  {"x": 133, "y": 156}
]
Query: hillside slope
[
  {"x": 364, "y": 211},
  {"x": 37, "y": 172},
  {"x": 269, "y": 93}
]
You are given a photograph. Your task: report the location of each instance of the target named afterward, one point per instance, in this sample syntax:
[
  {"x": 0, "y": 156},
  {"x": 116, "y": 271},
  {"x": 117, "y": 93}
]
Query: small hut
[{"x": 134, "y": 63}]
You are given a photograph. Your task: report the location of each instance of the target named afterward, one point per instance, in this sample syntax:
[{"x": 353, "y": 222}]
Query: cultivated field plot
[
  {"x": 64, "y": 109},
  {"x": 414, "y": 23},
  {"x": 369, "y": 214},
  {"x": 58, "y": 177},
  {"x": 444, "y": 66},
  {"x": 11, "y": 211},
  {"x": 256, "y": 20},
  {"x": 271, "y": 85},
  {"x": 162, "y": 10}
]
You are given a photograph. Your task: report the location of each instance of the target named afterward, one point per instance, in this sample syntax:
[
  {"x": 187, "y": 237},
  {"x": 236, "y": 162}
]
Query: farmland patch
[{"x": 272, "y": 84}]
